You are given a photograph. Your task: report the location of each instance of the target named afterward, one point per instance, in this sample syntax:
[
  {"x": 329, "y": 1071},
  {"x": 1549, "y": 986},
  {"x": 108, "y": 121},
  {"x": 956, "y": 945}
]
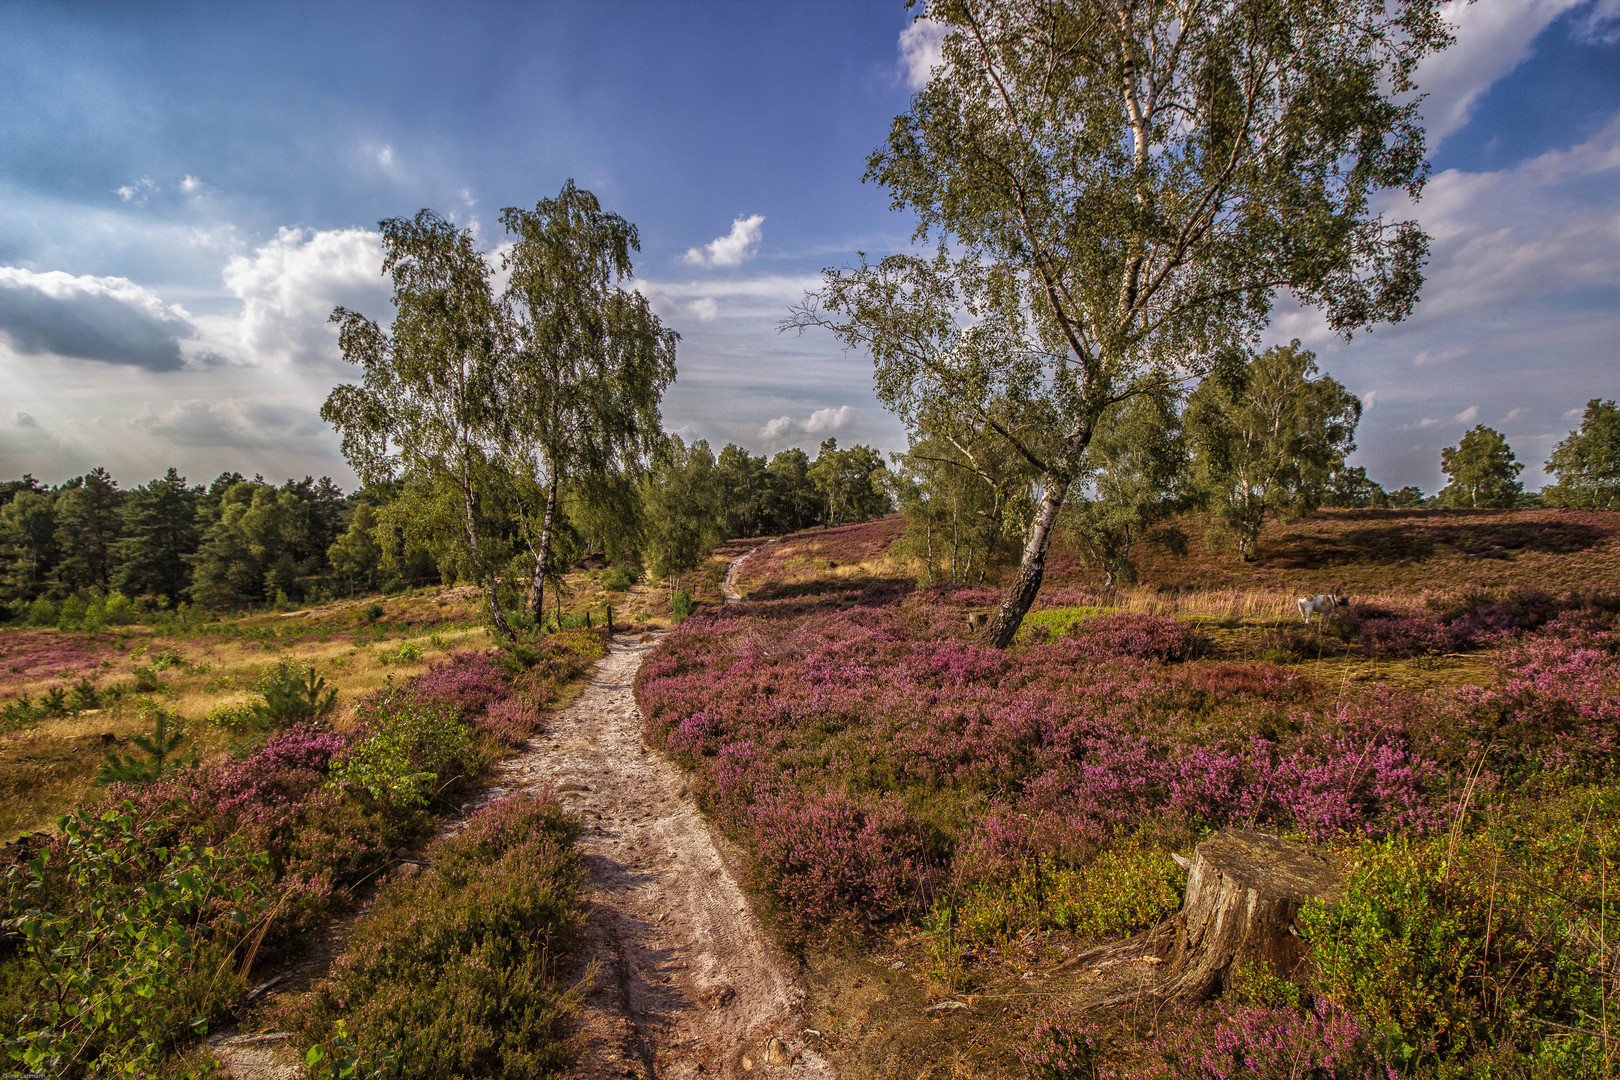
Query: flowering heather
[
  {"x": 854, "y": 705},
  {"x": 510, "y": 721},
  {"x": 806, "y": 554},
  {"x": 469, "y": 680},
  {"x": 31, "y": 655},
  {"x": 1247, "y": 1043}
]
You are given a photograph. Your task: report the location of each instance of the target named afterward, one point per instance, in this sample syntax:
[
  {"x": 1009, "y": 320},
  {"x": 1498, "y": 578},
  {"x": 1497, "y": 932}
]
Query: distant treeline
[{"x": 87, "y": 552}]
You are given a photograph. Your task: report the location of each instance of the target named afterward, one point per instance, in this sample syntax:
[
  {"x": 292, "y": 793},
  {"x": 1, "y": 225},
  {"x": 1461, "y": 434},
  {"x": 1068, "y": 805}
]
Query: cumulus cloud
[
  {"x": 289, "y": 286},
  {"x": 786, "y": 430},
  {"x": 1468, "y": 415},
  {"x": 732, "y": 249},
  {"x": 921, "y": 51},
  {"x": 107, "y": 319},
  {"x": 233, "y": 422},
  {"x": 705, "y": 308}
]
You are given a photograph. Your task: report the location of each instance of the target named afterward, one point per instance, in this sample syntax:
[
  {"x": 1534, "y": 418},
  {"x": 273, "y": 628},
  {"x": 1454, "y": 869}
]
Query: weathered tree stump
[{"x": 1244, "y": 894}]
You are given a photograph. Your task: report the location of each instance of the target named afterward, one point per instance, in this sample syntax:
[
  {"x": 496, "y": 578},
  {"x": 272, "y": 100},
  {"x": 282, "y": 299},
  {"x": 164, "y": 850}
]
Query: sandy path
[{"x": 689, "y": 983}]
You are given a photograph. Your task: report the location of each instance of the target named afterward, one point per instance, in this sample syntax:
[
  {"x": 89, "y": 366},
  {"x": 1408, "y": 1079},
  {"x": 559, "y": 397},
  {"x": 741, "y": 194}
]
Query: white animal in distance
[{"x": 1327, "y": 604}]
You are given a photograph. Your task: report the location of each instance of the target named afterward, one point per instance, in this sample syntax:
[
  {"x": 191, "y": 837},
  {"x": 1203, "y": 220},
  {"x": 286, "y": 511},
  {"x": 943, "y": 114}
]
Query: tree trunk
[
  {"x": 542, "y": 554},
  {"x": 1244, "y": 893},
  {"x": 1027, "y": 584},
  {"x": 469, "y": 509}
]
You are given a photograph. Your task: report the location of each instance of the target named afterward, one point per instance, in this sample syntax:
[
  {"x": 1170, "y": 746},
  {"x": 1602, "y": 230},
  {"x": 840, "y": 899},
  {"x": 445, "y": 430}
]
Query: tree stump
[{"x": 1244, "y": 893}]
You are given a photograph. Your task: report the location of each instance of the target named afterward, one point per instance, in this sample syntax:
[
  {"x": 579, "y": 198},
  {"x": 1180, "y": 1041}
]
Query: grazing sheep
[{"x": 1327, "y": 604}]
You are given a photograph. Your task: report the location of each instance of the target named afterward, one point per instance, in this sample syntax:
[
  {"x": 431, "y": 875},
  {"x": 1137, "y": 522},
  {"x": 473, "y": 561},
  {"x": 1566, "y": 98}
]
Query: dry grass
[{"x": 47, "y": 768}]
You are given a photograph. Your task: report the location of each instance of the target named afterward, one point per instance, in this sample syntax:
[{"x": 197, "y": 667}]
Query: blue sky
[{"x": 186, "y": 190}]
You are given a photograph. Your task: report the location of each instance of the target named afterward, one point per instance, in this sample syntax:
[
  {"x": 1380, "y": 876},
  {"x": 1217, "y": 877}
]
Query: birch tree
[
  {"x": 1117, "y": 191},
  {"x": 1267, "y": 439},
  {"x": 428, "y": 401},
  {"x": 591, "y": 358}
]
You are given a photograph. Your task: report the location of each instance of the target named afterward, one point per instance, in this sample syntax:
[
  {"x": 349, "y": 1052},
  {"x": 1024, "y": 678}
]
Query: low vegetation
[
  {"x": 893, "y": 778},
  {"x": 254, "y": 800}
]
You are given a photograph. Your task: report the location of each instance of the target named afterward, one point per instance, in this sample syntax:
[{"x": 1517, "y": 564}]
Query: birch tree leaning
[{"x": 1118, "y": 189}]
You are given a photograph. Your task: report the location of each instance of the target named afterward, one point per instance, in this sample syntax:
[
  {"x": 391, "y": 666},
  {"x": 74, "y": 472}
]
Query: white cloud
[
  {"x": 733, "y": 248},
  {"x": 787, "y": 430},
  {"x": 190, "y": 184},
  {"x": 138, "y": 192},
  {"x": 1492, "y": 39},
  {"x": 1468, "y": 415},
  {"x": 289, "y": 286},
  {"x": 1514, "y": 414},
  {"x": 705, "y": 308},
  {"x": 107, "y": 319},
  {"x": 921, "y": 51}
]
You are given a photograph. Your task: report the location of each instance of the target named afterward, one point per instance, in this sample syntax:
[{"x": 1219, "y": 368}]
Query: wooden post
[{"x": 610, "y": 622}]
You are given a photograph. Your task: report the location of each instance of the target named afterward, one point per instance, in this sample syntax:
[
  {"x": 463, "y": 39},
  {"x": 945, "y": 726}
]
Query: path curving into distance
[{"x": 689, "y": 984}]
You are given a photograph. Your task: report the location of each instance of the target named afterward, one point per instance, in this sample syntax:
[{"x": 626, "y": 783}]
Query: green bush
[
  {"x": 412, "y": 750},
  {"x": 680, "y": 604},
  {"x": 158, "y": 748},
  {"x": 42, "y": 612},
  {"x": 619, "y": 577},
  {"x": 1481, "y": 952},
  {"x": 1050, "y": 624},
  {"x": 128, "y": 937},
  {"x": 456, "y": 973},
  {"x": 243, "y": 716},
  {"x": 292, "y": 693}
]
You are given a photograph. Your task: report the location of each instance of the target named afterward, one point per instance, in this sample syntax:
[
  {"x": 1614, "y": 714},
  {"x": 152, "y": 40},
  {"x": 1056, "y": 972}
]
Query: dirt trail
[{"x": 688, "y": 984}]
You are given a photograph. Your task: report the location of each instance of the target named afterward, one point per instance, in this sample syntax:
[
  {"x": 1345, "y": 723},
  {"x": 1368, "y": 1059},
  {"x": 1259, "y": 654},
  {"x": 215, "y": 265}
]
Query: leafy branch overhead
[{"x": 1117, "y": 193}]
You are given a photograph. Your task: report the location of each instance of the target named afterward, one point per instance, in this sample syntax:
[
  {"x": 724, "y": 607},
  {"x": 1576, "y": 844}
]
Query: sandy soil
[{"x": 689, "y": 985}]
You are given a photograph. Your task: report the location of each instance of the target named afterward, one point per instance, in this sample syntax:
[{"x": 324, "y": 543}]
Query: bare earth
[{"x": 689, "y": 984}]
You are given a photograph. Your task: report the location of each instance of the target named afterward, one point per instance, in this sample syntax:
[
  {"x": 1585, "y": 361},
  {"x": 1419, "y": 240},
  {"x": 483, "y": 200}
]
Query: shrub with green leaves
[
  {"x": 680, "y": 604},
  {"x": 458, "y": 972},
  {"x": 158, "y": 747},
  {"x": 413, "y": 748},
  {"x": 1482, "y": 951},
  {"x": 129, "y": 936}
]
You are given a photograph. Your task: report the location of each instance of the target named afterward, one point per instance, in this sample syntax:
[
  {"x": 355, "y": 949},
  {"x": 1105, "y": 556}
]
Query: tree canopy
[
  {"x": 1482, "y": 470},
  {"x": 1268, "y": 439},
  {"x": 1118, "y": 191},
  {"x": 1586, "y": 464}
]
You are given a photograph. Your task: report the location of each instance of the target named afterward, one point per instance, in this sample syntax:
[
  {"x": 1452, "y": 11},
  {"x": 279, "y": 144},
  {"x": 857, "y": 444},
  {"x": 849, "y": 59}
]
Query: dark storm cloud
[{"x": 109, "y": 320}]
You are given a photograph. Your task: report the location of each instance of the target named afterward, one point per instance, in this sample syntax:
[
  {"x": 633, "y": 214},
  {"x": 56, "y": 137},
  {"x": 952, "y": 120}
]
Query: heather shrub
[
  {"x": 510, "y": 721},
  {"x": 128, "y": 933},
  {"x": 826, "y": 862},
  {"x": 467, "y": 681},
  {"x": 1144, "y": 637},
  {"x": 457, "y": 972},
  {"x": 1483, "y": 948},
  {"x": 1229, "y": 1042}
]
